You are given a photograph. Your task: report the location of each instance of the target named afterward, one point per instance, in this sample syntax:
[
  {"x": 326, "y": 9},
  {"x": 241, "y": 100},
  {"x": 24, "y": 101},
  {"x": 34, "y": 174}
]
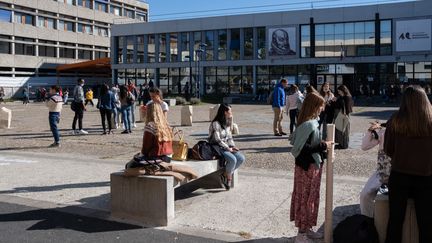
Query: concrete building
[
  {"x": 366, "y": 48},
  {"x": 38, "y": 35}
]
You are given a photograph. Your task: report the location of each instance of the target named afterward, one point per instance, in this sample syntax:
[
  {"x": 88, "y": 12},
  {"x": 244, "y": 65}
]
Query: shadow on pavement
[
  {"x": 56, "y": 187},
  {"x": 379, "y": 115},
  {"x": 53, "y": 219},
  {"x": 341, "y": 212},
  {"x": 271, "y": 240},
  {"x": 23, "y": 148},
  {"x": 271, "y": 150}
]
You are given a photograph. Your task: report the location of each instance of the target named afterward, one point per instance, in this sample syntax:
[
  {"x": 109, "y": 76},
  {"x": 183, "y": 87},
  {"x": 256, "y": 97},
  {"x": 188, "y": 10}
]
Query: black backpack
[
  {"x": 202, "y": 151},
  {"x": 356, "y": 229}
]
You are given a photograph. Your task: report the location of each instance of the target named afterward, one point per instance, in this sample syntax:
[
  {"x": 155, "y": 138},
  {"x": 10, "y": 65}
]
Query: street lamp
[{"x": 198, "y": 54}]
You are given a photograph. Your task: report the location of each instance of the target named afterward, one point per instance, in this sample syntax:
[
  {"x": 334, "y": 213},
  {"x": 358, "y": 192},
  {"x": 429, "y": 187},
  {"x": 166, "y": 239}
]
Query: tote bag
[
  {"x": 180, "y": 148},
  {"x": 341, "y": 121}
]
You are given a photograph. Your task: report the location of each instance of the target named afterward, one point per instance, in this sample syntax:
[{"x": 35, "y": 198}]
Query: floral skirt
[{"x": 305, "y": 197}]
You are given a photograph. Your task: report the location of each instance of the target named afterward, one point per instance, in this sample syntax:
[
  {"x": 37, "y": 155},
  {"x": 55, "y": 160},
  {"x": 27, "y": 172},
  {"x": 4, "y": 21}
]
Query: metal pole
[{"x": 328, "y": 225}]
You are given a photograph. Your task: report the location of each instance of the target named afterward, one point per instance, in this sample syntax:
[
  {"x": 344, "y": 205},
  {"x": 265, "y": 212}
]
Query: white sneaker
[
  {"x": 302, "y": 238},
  {"x": 134, "y": 125},
  {"x": 314, "y": 235},
  {"x": 82, "y": 132}
]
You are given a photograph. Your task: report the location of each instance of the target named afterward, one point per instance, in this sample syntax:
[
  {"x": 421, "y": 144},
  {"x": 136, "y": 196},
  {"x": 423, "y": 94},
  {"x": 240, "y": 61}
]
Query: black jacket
[{"x": 305, "y": 157}]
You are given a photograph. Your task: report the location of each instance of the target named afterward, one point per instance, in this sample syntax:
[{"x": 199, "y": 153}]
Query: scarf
[{"x": 301, "y": 135}]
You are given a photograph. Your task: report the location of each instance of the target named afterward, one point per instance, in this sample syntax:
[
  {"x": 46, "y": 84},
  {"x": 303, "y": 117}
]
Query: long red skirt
[{"x": 305, "y": 197}]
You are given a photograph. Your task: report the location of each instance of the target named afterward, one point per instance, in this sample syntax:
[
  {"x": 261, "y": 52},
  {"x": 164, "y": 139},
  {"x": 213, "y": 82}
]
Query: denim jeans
[
  {"x": 54, "y": 119},
  {"x": 233, "y": 161},
  {"x": 126, "y": 116},
  {"x": 293, "y": 117}
]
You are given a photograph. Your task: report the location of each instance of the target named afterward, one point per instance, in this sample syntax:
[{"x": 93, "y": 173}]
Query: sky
[{"x": 184, "y": 9}]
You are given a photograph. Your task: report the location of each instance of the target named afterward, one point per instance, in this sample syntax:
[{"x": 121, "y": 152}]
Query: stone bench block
[
  {"x": 170, "y": 102},
  {"x": 5, "y": 117},
  {"x": 410, "y": 230},
  {"x": 231, "y": 100},
  {"x": 145, "y": 199},
  {"x": 213, "y": 111},
  {"x": 186, "y": 115}
]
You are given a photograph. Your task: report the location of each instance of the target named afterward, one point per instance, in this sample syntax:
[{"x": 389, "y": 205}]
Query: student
[
  {"x": 343, "y": 103},
  {"x": 278, "y": 102},
  {"x": 54, "y": 104},
  {"x": 327, "y": 115},
  {"x": 89, "y": 97},
  {"x": 156, "y": 97},
  {"x": 292, "y": 104},
  {"x": 408, "y": 140},
  {"x": 308, "y": 150},
  {"x": 126, "y": 102},
  {"x": 220, "y": 134},
  {"x": 379, "y": 179},
  {"x": 106, "y": 105},
  {"x": 78, "y": 107}
]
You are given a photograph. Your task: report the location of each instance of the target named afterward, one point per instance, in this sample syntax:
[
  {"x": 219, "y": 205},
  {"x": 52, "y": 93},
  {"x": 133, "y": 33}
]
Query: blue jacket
[
  {"x": 278, "y": 96},
  {"x": 107, "y": 101}
]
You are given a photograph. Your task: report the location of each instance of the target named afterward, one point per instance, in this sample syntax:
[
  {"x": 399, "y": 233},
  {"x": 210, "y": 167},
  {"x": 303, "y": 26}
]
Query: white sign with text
[{"x": 413, "y": 35}]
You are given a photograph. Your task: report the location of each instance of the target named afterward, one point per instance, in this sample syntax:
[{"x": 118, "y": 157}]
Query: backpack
[
  {"x": 270, "y": 99},
  {"x": 356, "y": 229},
  {"x": 203, "y": 150}
]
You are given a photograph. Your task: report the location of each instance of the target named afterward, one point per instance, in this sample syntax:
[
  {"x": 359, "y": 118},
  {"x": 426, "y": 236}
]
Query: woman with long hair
[
  {"x": 408, "y": 140},
  {"x": 106, "y": 105},
  {"x": 126, "y": 102},
  {"x": 220, "y": 134},
  {"x": 157, "y": 97},
  {"x": 344, "y": 104},
  {"x": 308, "y": 150},
  {"x": 157, "y": 140},
  {"x": 328, "y": 114}
]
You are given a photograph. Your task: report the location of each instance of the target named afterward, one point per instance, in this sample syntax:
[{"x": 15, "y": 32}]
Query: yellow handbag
[{"x": 180, "y": 147}]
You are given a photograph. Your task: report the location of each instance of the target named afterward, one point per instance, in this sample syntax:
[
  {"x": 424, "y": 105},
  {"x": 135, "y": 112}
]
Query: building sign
[
  {"x": 413, "y": 35},
  {"x": 282, "y": 41}
]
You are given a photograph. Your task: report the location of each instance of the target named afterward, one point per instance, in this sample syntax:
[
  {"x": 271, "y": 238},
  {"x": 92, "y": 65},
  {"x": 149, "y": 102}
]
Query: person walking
[
  {"x": 89, "y": 97},
  {"x": 106, "y": 105},
  {"x": 343, "y": 104},
  {"x": 26, "y": 96},
  {"x": 220, "y": 135},
  {"x": 278, "y": 102},
  {"x": 293, "y": 100},
  {"x": 327, "y": 116},
  {"x": 308, "y": 150},
  {"x": 54, "y": 104},
  {"x": 186, "y": 90},
  {"x": 66, "y": 96},
  {"x": 407, "y": 141},
  {"x": 116, "y": 111},
  {"x": 132, "y": 89},
  {"x": 379, "y": 179},
  {"x": 126, "y": 103},
  {"x": 78, "y": 107}
]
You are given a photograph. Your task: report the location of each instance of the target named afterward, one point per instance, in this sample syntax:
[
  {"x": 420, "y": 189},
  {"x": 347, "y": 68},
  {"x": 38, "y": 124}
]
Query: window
[
  {"x": 66, "y": 25},
  {"x": 385, "y": 36},
  {"x": 5, "y": 15},
  {"x": 85, "y": 3},
  {"x": 184, "y": 46},
  {"x": 84, "y": 54},
  {"x": 209, "y": 41},
  {"x": 47, "y": 48},
  {"x": 305, "y": 40},
  {"x": 101, "y": 5},
  {"x": 130, "y": 49},
  {"x": 129, "y": 13},
  {"x": 70, "y": 2},
  {"x": 46, "y": 22},
  {"x": 67, "y": 50},
  {"x": 24, "y": 46},
  {"x": 222, "y": 45},
  {"x": 23, "y": 18},
  {"x": 173, "y": 47},
  {"x": 235, "y": 44},
  {"x": 162, "y": 47},
  {"x": 141, "y": 17},
  {"x": 85, "y": 28},
  {"x": 116, "y": 10},
  {"x": 120, "y": 46},
  {"x": 140, "y": 49},
  {"x": 261, "y": 45},
  {"x": 5, "y": 46},
  {"x": 101, "y": 31},
  {"x": 101, "y": 54},
  {"x": 197, "y": 41},
  {"x": 248, "y": 43}
]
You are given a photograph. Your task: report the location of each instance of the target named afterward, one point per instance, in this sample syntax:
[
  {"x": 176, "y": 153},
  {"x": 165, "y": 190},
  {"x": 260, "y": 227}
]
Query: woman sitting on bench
[{"x": 220, "y": 134}]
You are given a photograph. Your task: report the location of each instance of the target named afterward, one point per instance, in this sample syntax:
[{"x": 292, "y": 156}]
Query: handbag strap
[{"x": 178, "y": 132}]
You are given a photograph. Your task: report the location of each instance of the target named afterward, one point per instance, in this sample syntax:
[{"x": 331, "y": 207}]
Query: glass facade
[
  {"x": 162, "y": 48},
  {"x": 235, "y": 44},
  {"x": 140, "y": 49},
  {"x": 5, "y": 15},
  {"x": 185, "y": 46},
  {"x": 173, "y": 40},
  {"x": 209, "y": 49},
  {"x": 24, "y": 46},
  {"x": 151, "y": 48},
  {"x": 222, "y": 45},
  {"x": 248, "y": 44}
]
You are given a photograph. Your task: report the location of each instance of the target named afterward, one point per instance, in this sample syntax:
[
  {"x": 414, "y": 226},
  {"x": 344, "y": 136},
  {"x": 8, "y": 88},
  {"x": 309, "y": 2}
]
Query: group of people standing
[
  {"x": 404, "y": 163},
  {"x": 290, "y": 100}
]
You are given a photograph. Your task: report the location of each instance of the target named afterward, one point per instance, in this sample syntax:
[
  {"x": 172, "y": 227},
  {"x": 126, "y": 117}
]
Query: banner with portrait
[{"x": 281, "y": 41}]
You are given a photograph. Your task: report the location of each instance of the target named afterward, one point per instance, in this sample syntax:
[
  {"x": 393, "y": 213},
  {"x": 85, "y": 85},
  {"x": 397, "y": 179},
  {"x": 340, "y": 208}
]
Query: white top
[
  {"x": 292, "y": 101},
  {"x": 163, "y": 104}
]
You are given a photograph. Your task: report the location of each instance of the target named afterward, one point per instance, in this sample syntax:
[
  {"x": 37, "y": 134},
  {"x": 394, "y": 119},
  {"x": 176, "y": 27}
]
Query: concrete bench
[
  {"x": 5, "y": 117},
  {"x": 410, "y": 230},
  {"x": 149, "y": 200},
  {"x": 170, "y": 102}
]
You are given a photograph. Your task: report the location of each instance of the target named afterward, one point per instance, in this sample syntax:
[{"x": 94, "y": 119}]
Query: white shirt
[{"x": 163, "y": 104}]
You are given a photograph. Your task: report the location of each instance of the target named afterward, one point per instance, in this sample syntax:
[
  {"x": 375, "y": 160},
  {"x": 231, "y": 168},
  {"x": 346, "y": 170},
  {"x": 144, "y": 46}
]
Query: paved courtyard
[{"x": 77, "y": 174}]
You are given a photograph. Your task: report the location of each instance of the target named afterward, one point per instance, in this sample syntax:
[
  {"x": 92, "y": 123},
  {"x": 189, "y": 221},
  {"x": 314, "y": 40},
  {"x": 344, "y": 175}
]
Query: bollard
[
  {"x": 328, "y": 224},
  {"x": 186, "y": 115},
  {"x": 5, "y": 117}
]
